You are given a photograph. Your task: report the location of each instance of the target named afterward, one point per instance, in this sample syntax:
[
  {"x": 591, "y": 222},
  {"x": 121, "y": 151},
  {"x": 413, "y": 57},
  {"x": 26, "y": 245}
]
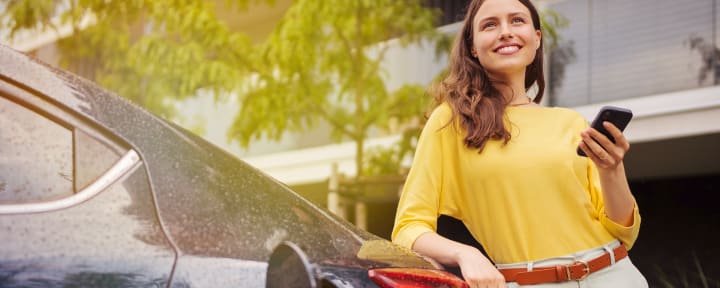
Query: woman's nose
[{"x": 506, "y": 31}]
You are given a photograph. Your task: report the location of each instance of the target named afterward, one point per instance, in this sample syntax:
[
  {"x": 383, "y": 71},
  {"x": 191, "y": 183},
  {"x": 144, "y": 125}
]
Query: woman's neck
[{"x": 512, "y": 88}]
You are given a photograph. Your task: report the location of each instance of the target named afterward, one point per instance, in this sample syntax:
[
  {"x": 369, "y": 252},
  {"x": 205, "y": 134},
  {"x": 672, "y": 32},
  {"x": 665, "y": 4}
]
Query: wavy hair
[{"x": 471, "y": 95}]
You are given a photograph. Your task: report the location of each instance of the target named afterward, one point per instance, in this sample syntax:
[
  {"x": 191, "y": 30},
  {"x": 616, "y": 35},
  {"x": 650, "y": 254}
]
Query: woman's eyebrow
[
  {"x": 517, "y": 13},
  {"x": 488, "y": 18},
  {"x": 508, "y": 15}
]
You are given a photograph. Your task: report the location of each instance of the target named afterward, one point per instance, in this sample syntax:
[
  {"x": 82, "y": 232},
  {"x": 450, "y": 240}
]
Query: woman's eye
[
  {"x": 488, "y": 25},
  {"x": 518, "y": 20}
]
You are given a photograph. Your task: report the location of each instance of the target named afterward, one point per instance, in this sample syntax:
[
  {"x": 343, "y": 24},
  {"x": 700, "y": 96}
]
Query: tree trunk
[{"x": 359, "y": 155}]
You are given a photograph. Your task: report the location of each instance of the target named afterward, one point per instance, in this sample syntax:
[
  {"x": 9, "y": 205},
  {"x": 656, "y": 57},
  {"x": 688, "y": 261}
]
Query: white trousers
[{"x": 622, "y": 274}]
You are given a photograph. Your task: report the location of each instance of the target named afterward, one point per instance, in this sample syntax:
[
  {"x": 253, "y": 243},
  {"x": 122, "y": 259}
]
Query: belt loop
[
  {"x": 530, "y": 266},
  {"x": 611, "y": 252}
]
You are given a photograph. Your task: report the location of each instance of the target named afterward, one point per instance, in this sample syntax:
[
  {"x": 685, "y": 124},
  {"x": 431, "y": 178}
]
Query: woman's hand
[
  {"x": 477, "y": 270},
  {"x": 606, "y": 154}
]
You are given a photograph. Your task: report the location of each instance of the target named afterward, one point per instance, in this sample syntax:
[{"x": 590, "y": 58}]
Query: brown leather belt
[{"x": 561, "y": 273}]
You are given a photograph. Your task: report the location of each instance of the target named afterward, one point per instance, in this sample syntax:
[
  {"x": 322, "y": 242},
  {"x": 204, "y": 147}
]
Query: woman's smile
[{"x": 508, "y": 49}]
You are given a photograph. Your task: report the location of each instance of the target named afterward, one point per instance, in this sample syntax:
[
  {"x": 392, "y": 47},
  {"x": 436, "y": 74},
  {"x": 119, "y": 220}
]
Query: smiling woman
[{"x": 507, "y": 167}]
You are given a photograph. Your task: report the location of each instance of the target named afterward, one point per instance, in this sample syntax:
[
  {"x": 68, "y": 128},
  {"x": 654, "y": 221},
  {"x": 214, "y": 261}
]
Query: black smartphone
[{"x": 620, "y": 117}]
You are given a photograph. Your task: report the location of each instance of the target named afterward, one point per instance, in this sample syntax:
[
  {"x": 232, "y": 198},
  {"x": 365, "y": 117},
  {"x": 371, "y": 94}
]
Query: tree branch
[{"x": 333, "y": 122}]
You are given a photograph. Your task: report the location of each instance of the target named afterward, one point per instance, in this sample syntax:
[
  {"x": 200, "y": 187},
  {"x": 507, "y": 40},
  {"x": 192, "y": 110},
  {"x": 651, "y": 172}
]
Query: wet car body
[{"x": 95, "y": 191}]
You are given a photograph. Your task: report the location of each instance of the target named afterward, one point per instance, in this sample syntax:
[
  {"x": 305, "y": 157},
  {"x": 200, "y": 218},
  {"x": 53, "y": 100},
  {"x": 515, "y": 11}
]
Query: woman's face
[{"x": 504, "y": 39}]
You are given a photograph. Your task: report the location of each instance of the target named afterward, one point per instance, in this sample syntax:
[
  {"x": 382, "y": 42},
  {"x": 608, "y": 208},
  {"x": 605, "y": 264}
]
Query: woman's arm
[
  {"x": 476, "y": 269},
  {"x": 608, "y": 158}
]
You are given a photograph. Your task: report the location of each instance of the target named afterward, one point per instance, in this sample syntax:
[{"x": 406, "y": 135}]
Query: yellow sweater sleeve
[
  {"x": 419, "y": 205},
  {"x": 626, "y": 234}
]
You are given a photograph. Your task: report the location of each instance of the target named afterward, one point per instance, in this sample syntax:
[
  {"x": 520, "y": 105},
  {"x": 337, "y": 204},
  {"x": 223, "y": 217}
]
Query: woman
[{"x": 492, "y": 157}]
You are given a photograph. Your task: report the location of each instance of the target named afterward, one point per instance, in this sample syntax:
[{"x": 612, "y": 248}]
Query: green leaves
[
  {"x": 551, "y": 21},
  {"x": 28, "y": 14},
  {"x": 150, "y": 51},
  {"x": 322, "y": 63},
  {"x": 324, "y": 60}
]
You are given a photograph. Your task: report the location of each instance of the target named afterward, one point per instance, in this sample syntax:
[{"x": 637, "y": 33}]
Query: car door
[{"x": 76, "y": 207}]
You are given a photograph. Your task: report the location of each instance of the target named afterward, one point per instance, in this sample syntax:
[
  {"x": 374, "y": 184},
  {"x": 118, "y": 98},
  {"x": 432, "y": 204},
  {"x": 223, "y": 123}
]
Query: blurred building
[{"x": 658, "y": 58}]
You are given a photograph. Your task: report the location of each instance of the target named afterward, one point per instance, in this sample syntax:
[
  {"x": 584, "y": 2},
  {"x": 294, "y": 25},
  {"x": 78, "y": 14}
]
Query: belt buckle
[{"x": 586, "y": 270}]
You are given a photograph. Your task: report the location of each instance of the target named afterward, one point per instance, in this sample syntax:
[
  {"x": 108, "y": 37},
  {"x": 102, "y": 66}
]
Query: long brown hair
[{"x": 469, "y": 91}]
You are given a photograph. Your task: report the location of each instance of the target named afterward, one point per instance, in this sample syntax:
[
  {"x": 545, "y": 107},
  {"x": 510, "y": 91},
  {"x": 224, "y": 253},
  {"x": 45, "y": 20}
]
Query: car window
[
  {"x": 36, "y": 156},
  {"x": 92, "y": 159},
  {"x": 41, "y": 160}
]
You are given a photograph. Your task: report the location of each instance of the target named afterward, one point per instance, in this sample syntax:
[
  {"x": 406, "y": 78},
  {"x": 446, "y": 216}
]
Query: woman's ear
[{"x": 538, "y": 39}]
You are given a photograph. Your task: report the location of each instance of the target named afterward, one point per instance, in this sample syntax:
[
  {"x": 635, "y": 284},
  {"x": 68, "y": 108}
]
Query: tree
[
  {"x": 559, "y": 54},
  {"x": 324, "y": 62},
  {"x": 710, "y": 59},
  {"x": 150, "y": 51}
]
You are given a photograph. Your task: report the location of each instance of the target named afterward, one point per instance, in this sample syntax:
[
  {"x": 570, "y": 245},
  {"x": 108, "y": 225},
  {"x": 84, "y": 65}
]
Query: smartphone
[{"x": 620, "y": 117}]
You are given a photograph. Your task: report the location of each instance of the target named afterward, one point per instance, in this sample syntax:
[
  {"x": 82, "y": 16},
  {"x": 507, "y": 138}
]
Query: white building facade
[{"x": 654, "y": 57}]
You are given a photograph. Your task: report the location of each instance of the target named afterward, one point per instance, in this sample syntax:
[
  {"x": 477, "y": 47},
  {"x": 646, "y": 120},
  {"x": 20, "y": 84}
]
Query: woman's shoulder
[
  {"x": 553, "y": 115},
  {"x": 570, "y": 116},
  {"x": 567, "y": 112},
  {"x": 441, "y": 115},
  {"x": 443, "y": 109},
  {"x": 555, "y": 112}
]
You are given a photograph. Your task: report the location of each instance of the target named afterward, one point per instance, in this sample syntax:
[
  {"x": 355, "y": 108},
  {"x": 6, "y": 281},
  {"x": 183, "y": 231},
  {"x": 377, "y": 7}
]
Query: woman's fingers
[
  {"x": 490, "y": 281},
  {"x": 618, "y": 135},
  {"x": 591, "y": 153},
  {"x": 595, "y": 143},
  {"x": 601, "y": 150},
  {"x": 479, "y": 272},
  {"x": 483, "y": 277}
]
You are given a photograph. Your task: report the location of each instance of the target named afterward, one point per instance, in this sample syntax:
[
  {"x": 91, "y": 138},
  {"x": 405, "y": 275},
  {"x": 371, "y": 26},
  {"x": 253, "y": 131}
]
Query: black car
[{"x": 97, "y": 192}]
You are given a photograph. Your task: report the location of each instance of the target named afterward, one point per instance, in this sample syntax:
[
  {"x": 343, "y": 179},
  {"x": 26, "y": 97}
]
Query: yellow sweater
[{"x": 530, "y": 199}]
